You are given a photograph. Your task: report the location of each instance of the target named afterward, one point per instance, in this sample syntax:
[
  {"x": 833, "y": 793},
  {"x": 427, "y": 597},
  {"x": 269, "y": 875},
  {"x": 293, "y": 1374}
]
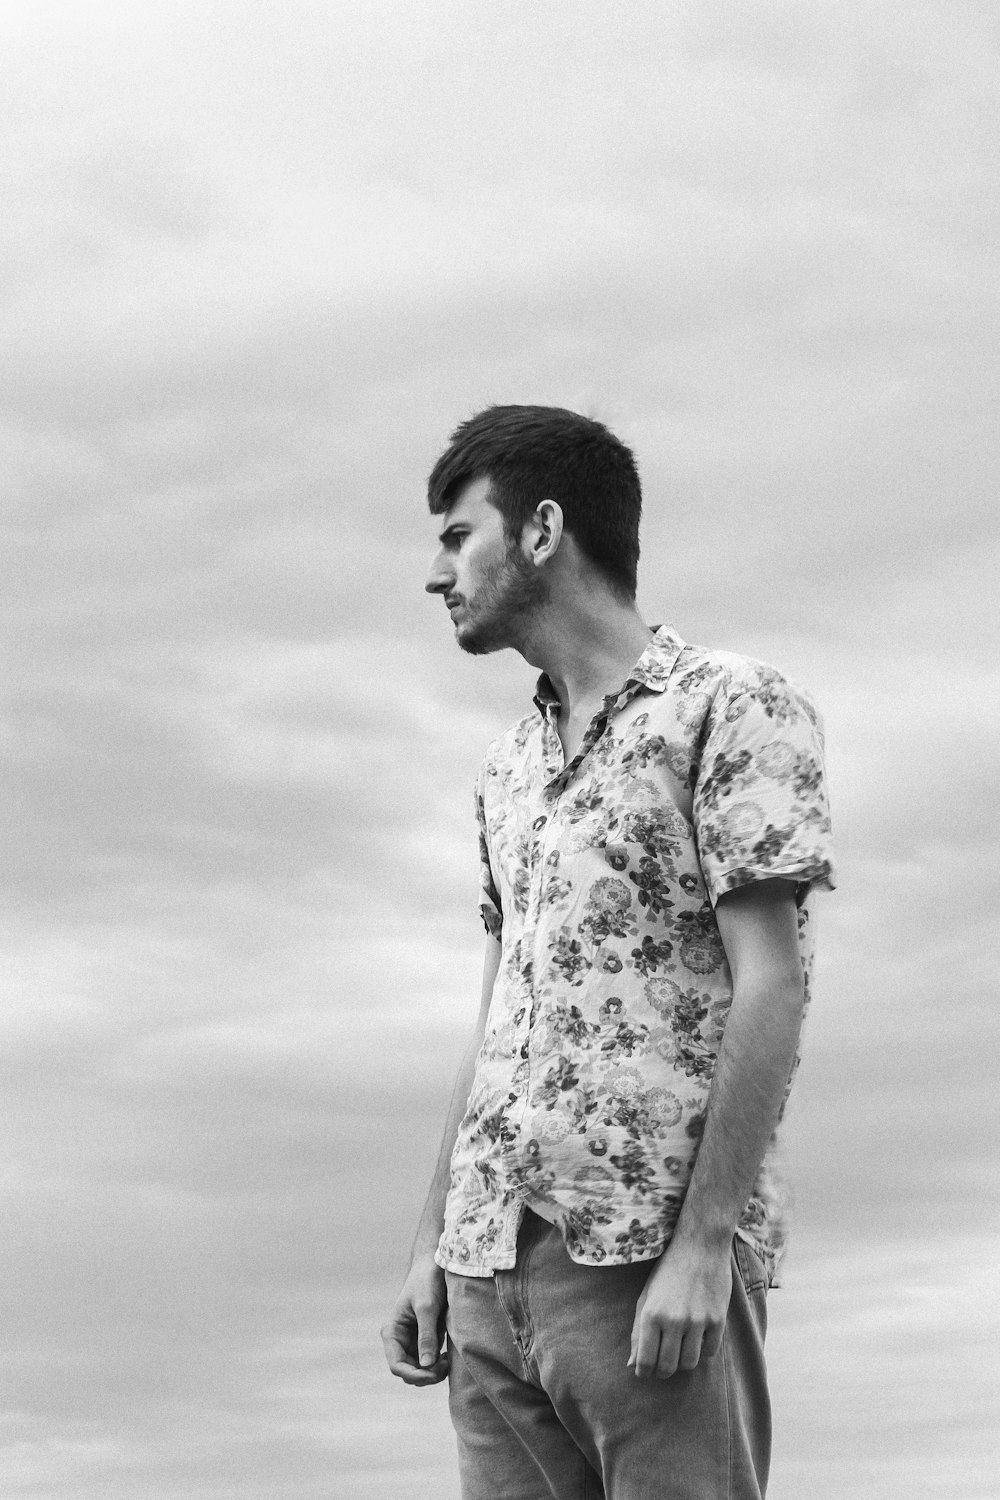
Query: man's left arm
[{"x": 681, "y": 1314}]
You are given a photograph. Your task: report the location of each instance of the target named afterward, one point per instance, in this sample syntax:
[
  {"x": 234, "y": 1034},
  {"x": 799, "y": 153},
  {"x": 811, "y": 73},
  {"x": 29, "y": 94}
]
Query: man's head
[
  {"x": 492, "y": 588},
  {"x": 531, "y": 454}
]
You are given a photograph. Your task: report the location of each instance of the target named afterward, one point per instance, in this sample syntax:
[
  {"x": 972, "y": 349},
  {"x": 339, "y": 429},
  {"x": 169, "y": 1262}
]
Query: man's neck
[{"x": 588, "y": 652}]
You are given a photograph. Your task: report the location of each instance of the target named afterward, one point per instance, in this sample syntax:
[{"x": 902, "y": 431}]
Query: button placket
[
  {"x": 545, "y": 832},
  {"x": 547, "y": 820},
  {"x": 529, "y": 935},
  {"x": 535, "y": 887}
]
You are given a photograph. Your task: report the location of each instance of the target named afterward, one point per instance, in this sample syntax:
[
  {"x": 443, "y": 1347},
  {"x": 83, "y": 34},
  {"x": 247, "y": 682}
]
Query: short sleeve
[
  {"x": 760, "y": 801},
  {"x": 489, "y": 896}
]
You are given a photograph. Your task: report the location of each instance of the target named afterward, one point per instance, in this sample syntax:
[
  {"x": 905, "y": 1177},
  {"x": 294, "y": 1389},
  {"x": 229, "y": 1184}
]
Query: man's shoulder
[{"x": 732, "y": 675}]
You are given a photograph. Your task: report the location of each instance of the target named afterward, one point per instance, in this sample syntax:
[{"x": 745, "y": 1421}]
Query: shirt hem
[
  {"x": 467, "y": 1268},
  {"x": 483, "y": 1269}
]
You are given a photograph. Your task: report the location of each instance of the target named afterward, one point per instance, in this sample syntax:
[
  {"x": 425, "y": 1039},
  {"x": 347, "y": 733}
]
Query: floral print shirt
[{"x": 600, "y": 878}]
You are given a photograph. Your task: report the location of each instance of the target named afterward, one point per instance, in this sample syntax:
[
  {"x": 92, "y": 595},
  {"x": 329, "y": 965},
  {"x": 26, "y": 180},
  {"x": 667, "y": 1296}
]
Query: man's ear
[{"x": 543, "y": 532}]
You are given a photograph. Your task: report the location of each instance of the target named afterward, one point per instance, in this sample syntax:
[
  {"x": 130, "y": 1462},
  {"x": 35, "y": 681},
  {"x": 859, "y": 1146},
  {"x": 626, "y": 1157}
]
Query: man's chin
[{"x": 477, "y": 642}]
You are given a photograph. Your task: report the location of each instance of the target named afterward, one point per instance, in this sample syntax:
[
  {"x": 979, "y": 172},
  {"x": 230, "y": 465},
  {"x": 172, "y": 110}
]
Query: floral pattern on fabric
[{"x": 600, "y": 879}]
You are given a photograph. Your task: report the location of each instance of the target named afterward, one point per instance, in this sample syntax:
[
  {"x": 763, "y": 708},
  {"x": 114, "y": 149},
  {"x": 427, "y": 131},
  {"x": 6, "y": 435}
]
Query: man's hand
[
  {"x": 414, "y": 1334},
  {"x": 681, "y": 1315}
]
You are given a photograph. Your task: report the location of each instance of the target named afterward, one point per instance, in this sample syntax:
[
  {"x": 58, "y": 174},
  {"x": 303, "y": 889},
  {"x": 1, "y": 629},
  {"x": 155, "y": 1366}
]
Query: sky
[{"x": 256, "y": 262}]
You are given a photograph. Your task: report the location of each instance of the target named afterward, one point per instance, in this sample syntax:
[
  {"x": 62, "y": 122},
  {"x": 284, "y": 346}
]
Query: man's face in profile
[{"x": 486, "y": 581}]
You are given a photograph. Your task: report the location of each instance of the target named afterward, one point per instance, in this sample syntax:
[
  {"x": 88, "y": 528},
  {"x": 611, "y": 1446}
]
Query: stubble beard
[{"x": 509, "y": 592}]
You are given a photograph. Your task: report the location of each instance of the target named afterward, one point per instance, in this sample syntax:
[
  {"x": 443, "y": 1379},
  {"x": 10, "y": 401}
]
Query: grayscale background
[{"x": 256, "y": 261}]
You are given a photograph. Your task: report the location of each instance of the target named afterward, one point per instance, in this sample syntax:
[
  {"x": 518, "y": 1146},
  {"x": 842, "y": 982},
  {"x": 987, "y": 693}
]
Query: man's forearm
[
  {"x": 413, "y": 1335},
  {"x": 681, "y": 1313},
  {"x": 432, "y": 1218},
  {"x": 751, "y": 1076}
]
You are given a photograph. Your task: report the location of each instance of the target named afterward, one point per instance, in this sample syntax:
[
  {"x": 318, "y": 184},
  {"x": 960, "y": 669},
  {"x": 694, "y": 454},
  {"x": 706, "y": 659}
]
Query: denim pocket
[{"x": 752, "y": 1268}]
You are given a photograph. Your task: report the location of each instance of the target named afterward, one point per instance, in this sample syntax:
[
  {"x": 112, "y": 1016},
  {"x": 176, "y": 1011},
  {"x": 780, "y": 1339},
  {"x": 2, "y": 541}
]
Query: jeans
[{"x": 545, "y": 1409}]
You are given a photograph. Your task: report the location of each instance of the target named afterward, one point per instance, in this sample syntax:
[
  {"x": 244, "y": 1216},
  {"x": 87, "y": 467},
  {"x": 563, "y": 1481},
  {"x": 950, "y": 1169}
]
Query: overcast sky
[{"x": 256, "y": 262}]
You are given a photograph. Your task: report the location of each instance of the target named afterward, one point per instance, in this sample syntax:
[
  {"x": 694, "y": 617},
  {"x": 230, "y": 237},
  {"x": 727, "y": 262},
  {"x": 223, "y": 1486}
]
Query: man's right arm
[{"x": 414, "y": 1333}]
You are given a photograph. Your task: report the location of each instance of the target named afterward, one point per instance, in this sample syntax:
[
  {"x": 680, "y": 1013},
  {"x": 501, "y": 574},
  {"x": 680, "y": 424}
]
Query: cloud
[
  {"x": 257, "y": 264},
  {"x": 879, "y": 1332}
]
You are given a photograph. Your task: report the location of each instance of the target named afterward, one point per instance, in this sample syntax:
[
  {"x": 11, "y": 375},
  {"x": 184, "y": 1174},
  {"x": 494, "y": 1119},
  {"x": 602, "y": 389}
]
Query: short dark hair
[{"x": 536, "y": 453}]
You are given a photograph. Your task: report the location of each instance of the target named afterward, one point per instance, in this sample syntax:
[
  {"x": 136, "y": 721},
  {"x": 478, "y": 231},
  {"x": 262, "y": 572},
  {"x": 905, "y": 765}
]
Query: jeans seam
[
  {"x": 588, "y": 1492},
  {"x": 724, "y": 1353}
]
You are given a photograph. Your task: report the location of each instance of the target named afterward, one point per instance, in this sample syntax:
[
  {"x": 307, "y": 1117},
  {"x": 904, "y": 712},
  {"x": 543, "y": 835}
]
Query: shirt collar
[{"x": 651, "y": 671}]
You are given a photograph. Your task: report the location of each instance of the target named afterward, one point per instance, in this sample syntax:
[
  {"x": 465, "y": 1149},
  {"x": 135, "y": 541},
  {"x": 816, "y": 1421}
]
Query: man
[{"x": 605, "y": 1216}]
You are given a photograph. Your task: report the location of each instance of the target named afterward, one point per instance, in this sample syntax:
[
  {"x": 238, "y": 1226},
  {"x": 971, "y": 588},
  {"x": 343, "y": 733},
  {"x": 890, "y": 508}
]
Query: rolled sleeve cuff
[{"x": 807, "y": 872}]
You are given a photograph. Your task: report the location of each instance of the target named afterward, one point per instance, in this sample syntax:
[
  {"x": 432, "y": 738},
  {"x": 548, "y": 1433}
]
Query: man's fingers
[
  {"x": 691, "y": 1350},
  {"x": 636, "y": 1329},
  {"x": 428, "y": 1332},
  {"x": 400, "y": 1360},
  {"x": 648, "y": 1348},
  {"x": 713, "y": 1341},
  {"x": 395, "y": 1342},
  {"x": 647, "y": 1353},
  {"x": 392, "y": 1338},
  {"x": 400, "y": 1345},
  {"x": 669, "y": 1353},
  {"x": 409, "y": 1374},
  {"x": 663, "y": 1350}
]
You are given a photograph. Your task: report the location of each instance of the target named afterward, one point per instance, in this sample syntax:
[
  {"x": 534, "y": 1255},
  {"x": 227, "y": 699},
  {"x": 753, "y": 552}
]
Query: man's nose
[{"x": 439, "y": 577}]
